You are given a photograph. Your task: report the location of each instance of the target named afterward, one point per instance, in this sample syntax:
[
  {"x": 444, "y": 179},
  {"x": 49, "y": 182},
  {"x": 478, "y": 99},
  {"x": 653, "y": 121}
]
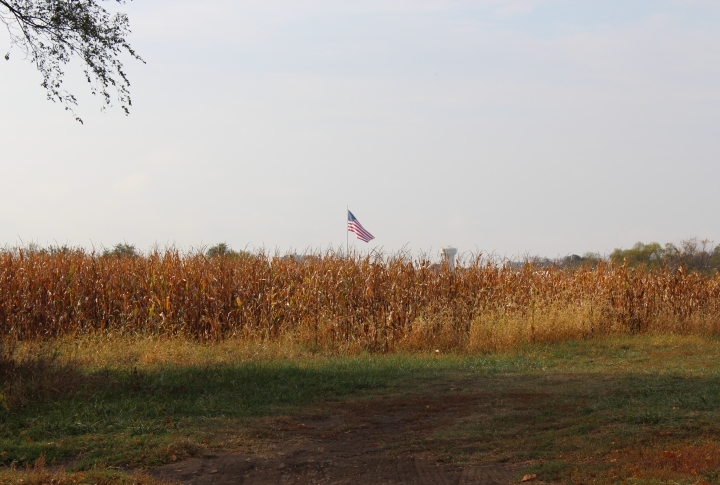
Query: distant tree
[
  {"x": 715, "y": 258},
  {"x": 693, "y": 254},
  {"x": 649, "y": 255},
  {"x": 52, "y": 32},
  {"x": 122, "y": 250},
  {"x": 575, "y": 260},
  {"x": 221, "y": 250}
]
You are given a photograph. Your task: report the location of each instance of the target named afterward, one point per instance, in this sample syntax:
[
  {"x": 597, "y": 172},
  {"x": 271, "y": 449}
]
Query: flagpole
[{"x": 347, "y": 253}]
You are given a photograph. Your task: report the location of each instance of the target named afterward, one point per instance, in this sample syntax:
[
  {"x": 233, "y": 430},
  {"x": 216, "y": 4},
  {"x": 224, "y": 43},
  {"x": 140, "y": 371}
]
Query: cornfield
[{"x": 336, "y": 302}]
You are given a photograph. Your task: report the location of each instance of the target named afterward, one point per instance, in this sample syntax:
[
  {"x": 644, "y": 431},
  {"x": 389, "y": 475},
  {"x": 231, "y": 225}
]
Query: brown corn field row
[{"x": 331, "y": 301}]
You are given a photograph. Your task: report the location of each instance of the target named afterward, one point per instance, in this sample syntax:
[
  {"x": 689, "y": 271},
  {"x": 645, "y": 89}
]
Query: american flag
[{"x": 355, "y": 226}]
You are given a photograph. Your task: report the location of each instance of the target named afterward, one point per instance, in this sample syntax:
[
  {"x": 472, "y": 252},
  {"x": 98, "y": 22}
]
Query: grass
[
  {"x": 639, "y": 409},
  {"x": 643, "y": 409}
]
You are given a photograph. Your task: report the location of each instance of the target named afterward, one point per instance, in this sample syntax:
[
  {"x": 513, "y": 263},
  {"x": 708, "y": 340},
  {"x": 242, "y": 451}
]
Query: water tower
[{"x": 448, "y": 254}]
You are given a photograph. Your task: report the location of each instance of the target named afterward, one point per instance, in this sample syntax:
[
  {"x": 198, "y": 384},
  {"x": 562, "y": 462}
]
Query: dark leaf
[{"x": 51, "y": 32}]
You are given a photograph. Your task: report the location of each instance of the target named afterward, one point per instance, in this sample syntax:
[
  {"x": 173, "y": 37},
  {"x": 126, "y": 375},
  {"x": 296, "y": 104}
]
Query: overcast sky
[{"x": 541, "y": 127}]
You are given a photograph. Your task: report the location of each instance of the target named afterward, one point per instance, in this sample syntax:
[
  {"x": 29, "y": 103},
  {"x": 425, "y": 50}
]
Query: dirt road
[{"x": 385, "y": 440}]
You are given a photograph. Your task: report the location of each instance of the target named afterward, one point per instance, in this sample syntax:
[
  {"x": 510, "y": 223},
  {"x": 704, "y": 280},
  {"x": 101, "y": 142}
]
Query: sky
[{"x": 509, "y": 127}]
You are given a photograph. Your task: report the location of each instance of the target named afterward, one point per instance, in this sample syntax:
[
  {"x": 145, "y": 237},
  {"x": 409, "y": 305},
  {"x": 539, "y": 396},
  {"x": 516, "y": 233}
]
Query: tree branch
[{"x": 52, "y": 32}]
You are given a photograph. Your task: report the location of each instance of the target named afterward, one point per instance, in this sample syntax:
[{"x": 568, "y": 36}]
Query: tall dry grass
[{"x": 335, "y": 303}]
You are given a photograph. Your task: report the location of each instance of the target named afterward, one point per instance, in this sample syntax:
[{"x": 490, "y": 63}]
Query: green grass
[
  {"x": 144, "y": 416},
  {"x": 565, "y": 410}
]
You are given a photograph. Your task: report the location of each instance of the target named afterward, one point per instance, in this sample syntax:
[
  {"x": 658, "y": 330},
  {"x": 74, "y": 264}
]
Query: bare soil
[{"x": 382, "y": 440}]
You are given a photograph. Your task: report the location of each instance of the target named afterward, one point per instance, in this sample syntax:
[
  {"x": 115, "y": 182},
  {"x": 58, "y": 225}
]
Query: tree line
[{"x": 693, "y": 254}]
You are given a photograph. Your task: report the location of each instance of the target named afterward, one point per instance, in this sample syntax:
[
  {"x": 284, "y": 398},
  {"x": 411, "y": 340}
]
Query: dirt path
[
  {"x": 384, "y": 440},
  {"x": 329, "y": 467}
]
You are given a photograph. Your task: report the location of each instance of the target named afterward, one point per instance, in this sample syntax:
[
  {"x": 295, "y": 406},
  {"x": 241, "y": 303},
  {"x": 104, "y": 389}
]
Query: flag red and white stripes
[{"x": 357, "y": 228}]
